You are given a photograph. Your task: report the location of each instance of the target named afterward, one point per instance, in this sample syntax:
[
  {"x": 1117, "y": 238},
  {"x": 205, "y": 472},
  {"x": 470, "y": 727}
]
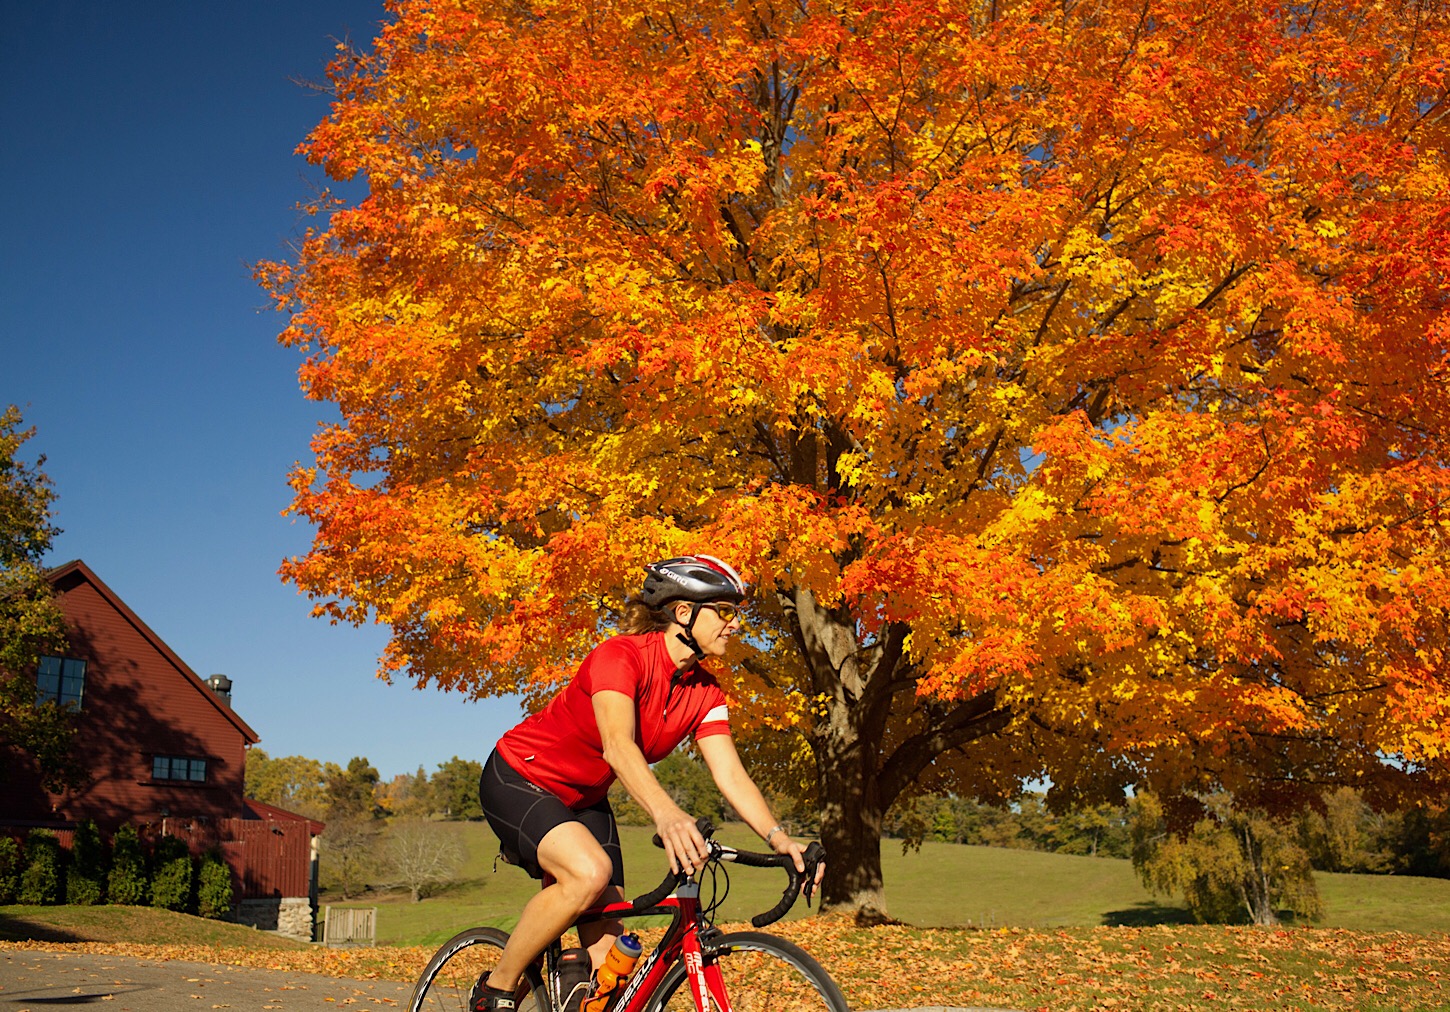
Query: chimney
[{"x": 221, "y": 685}]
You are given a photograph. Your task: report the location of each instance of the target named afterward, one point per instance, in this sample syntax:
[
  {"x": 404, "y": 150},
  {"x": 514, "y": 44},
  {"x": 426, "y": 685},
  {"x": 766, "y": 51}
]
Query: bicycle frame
[
  {"x": 682, "y": 941},
  {"x": 690, "y": 931}
]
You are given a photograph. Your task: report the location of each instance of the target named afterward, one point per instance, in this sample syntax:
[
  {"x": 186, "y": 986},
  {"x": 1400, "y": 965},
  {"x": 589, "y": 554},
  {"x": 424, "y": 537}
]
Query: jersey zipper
[{"x": 675, "y": 681}]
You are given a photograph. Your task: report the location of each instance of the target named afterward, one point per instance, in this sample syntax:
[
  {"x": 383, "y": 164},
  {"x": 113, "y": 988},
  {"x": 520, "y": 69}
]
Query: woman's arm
[
  {"x": 718, "y": 751},
  {"x": 614, "y": 713}
]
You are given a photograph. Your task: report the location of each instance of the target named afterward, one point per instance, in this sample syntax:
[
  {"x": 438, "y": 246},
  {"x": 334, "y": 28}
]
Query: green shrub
[
  {"x": 10, "y": 865},
  {"x": 40, "y": 883},
  {"x": 1237, "y": 864},
  {"x": 172, "y": 874},
  {"x": 85, "y": 879},
  {"x": 214, "y": 887},
  {"x": 127, "y": 884}
]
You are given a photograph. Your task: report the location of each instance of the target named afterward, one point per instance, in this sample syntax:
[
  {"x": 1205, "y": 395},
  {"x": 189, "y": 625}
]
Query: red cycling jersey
[{"x": 559, "y": 748}]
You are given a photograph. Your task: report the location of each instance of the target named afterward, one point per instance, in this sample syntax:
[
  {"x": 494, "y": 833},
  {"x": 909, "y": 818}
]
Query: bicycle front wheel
[
  {"x": 447, "y": 981},
  {"x": 761, "y": 973}
]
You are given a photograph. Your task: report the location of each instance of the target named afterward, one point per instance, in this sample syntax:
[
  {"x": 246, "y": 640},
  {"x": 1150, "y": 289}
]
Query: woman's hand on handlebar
[
  {"x": 680, "y": 836},
  {"x": 783, "y": 844}
]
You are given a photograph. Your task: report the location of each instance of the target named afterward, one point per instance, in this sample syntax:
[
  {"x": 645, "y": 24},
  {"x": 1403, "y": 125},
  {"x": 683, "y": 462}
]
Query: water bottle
[{"x": 623, "y": 954}]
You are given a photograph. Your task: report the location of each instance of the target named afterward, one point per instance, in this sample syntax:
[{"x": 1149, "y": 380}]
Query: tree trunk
[
  {"x": 1257, "y": 894},
  {"x": 847, "y": 760},
  {"x": 861, "y": 769},
  {"x": 851, "y": 817}
]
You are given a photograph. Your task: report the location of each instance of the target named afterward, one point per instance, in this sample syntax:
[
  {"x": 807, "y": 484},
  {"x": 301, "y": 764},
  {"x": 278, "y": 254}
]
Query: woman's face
[{"x": 714, "y": 625}]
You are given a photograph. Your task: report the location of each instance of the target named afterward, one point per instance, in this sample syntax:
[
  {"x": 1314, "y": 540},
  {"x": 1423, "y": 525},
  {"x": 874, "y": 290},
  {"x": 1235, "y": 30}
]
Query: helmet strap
[{"x": 688, "y": 636}]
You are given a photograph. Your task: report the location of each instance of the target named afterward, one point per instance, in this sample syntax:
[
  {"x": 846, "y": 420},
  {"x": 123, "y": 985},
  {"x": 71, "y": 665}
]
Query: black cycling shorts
[{"x": 522, "y": 814}]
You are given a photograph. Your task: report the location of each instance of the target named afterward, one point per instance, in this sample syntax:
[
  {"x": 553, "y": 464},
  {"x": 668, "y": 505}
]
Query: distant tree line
[
  {"x": 327, "y": 791},
  {"x": 1234, "y": 863},
  {"x": 123, "y": 871},
  {"x": 1026, "y": 824},
  {"x": 379, "y": 834},
  {"x": 1344, "y": 834}
]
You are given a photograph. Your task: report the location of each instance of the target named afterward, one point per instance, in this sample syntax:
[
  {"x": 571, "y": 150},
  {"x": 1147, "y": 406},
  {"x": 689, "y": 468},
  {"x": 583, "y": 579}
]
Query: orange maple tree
[{"x": 1071, "y": 379}]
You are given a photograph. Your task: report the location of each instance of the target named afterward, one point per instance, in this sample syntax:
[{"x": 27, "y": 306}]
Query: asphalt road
[{"x": 37, "y": 981}]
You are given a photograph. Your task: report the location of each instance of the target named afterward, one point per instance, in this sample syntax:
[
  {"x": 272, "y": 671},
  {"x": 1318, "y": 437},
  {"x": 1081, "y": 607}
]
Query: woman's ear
[{"x": 681, "y": 612}]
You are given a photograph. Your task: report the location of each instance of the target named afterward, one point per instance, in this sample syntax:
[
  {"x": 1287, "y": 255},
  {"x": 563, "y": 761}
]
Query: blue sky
[{"x": 145, "y": 162}]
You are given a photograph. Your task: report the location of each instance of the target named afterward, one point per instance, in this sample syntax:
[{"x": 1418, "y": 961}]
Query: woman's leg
[
  {"x": 581, "y": 871},
  {"x": 598, "y": 936}
]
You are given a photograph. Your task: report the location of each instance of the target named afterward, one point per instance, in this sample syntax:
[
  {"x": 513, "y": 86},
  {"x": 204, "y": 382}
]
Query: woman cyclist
[{"x": 634, "y": 699}]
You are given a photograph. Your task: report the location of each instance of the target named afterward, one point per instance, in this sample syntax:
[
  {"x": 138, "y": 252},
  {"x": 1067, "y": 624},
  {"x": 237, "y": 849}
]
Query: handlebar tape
[
  {"x": 649, "y": 899},
  {"x": 813, "y": 856}
]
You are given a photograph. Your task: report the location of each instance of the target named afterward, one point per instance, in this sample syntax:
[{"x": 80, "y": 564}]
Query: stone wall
[{"x": 290, "y": 916}]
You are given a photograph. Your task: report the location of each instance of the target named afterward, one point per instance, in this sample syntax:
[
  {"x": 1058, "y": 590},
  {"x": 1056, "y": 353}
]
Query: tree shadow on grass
[
  {"x": 460, "y": 887},
  {"x": 1146, "y": 914},
  {"x": 23, "y": 929}
]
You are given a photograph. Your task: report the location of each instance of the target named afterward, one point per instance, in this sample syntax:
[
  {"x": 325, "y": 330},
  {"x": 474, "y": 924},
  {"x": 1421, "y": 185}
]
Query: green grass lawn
[{"x": 941, "y": 885}]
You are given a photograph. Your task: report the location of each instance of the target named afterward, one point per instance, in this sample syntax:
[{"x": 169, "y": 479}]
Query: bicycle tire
[
  {"x": 447, "y": 980},
  {"x": 762, "y": 973}
]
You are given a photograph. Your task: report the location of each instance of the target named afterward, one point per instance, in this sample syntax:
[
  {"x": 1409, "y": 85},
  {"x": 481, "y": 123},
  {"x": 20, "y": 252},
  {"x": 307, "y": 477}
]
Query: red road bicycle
[{"x": 695, "y": 968}]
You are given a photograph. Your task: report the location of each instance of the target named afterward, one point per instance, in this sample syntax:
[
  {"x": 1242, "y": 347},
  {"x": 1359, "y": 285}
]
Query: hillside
[{"x": 941, "y": 885}]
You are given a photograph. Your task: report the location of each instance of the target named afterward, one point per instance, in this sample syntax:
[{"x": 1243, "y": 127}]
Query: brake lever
[{"x": 814, "y": 855}]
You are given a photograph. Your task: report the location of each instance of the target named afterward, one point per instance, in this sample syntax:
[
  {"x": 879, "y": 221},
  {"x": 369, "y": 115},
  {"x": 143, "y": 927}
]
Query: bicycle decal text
[{"x": 695, "y": 967}]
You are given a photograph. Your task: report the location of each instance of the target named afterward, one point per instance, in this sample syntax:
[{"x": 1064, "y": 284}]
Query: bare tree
[
  {"x": 349, "y": 853},
  {"x": 421, "y": 855}
]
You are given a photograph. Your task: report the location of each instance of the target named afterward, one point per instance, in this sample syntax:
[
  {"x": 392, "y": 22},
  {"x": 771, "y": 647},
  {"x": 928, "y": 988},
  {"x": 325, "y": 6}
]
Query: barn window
[
  {"x": 175, "y": 767},
  {"x": 60, "y": 680}
]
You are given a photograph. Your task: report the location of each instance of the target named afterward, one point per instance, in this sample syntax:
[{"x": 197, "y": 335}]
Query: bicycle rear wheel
[
  {"x": 448, "y": 979},
  {"x": 761, "y": 973}
]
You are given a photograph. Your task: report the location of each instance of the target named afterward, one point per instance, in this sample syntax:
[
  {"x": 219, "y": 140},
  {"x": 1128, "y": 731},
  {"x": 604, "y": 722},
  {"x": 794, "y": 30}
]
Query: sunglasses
[{"x": 727, "y": 612}]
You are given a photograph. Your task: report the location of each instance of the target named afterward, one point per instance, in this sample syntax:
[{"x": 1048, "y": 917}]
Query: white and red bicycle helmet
[{"x": 699, "y": 579}]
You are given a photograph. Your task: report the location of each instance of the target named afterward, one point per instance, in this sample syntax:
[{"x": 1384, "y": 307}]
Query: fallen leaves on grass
[
  {"x": 1130, "y": 968},
  {"x": 1068, "y": 970}
]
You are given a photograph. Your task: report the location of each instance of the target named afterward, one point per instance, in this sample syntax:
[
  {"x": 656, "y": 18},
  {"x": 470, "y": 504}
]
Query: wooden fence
[{"x": 350, "y": 926}]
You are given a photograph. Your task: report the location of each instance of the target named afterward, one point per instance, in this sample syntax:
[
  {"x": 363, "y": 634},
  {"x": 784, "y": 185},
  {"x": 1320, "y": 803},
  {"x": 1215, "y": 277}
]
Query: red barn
[{"x": 163, "y": 749}]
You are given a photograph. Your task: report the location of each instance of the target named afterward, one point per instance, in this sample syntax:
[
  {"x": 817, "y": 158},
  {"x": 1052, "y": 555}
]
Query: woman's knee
[
  {"x": 588, "y": 877},
  {"x": 577, "y": 862}
]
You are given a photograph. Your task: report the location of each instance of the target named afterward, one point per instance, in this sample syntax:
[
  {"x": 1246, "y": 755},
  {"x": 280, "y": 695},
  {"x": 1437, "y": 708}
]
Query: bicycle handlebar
[{"x": 813, "y": 856}]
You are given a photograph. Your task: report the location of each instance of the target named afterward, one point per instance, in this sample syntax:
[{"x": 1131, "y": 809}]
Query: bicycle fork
[{"x": 705, "y": 979}]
